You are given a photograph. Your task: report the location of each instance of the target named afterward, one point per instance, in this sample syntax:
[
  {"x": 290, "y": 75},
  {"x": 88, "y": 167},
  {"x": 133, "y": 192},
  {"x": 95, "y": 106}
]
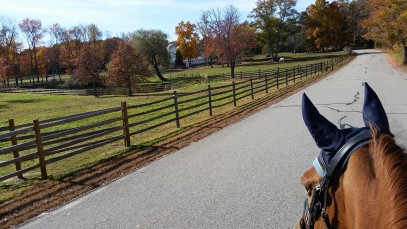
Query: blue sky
[{"x": 117, "y": 16}]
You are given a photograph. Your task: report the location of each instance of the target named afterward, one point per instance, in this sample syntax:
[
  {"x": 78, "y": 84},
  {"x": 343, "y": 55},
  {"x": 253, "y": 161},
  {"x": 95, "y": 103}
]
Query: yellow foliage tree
[
  {"x": 326, "y": 25},
  {"x": 187, "y": 40},
  {"x": 387, "y": 23}
]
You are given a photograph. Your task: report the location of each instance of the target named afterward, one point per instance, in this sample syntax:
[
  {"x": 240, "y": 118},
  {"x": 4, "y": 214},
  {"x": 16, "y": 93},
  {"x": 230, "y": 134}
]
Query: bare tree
[
  {"x": 54, "y": 51},
  {"x": 93, "y": 33},
  {"x": 33, "y": 32}
]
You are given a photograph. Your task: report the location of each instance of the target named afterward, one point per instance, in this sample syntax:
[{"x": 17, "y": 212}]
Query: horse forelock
[{"x": 390, "y": 163}]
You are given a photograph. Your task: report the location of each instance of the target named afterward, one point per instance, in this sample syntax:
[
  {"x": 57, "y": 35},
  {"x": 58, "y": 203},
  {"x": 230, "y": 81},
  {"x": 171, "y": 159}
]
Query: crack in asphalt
[
  {"x": 344, "y": 125},
  {"x": 356, "y": 98}
]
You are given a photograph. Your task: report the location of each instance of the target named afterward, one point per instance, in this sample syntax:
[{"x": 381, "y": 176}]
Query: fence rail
[{"x": 35, "y": 145}]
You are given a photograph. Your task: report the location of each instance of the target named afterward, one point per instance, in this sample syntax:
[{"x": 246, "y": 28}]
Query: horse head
[{"x": 341, "y": 180}]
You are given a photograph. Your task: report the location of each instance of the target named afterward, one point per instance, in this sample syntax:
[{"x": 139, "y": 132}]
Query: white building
[{"x": 172, "y": 51}]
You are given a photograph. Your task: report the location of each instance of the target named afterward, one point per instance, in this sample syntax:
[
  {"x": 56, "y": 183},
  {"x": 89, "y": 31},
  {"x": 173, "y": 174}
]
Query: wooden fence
[
  {"x": 139, "y": 88},
  {"x": 43, "y": 142}
]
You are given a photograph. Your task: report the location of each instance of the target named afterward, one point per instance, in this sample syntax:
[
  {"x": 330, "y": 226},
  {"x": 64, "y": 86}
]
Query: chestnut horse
[{"x": 359, "y": 180}]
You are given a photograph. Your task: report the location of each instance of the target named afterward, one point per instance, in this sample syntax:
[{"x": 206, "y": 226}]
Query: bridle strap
[
  {"x": 327, "y": 172},
  {"x": 324, "y": 216},
  {"x": 346, "y": 150}
]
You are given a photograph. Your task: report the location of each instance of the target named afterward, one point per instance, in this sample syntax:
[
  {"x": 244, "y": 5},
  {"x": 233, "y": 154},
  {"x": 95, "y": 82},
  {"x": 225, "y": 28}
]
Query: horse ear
[
  {"x": 373, "y": 111},
  {"x": 327, "y": 136}
]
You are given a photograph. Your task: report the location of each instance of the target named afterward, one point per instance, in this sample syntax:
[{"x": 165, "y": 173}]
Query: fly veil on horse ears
[
  {"x": 337, "y": 145},
  {"x": 328, "y": 137}
]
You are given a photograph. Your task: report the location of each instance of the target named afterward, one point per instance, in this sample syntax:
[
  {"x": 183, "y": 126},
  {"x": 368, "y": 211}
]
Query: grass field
[
  {"x": 257, "y": 63},
  {"x": 24, "y": 108}
]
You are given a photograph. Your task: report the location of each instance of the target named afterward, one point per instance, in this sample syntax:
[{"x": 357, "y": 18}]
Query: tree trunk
[
  {"x": 232, "y": 69},
  {"x": 129, "y": 93},
  {"x": 405, "y": 54},
  {"x": 94, "y": 88},
  {"x": 36, "y": 65},
  {"x": 155, "y": 65}
]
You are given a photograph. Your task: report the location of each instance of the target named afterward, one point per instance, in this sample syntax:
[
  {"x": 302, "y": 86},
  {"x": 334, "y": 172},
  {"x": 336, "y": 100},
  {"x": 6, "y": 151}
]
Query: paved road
[{"x": 246, "y": 175}]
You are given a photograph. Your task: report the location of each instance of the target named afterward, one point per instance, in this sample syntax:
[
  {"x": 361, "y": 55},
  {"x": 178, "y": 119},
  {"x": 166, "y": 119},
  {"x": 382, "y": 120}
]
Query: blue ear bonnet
[{"x": 329, "y": 138}]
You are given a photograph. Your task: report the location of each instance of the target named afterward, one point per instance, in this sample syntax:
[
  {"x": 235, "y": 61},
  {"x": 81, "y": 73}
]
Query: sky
[{"x": 122, "y": 16}]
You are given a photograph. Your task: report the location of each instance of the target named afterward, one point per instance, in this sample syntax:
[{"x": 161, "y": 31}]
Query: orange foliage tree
[
  {"x": 88, "y": 65},
  {"x": 187, "y": 40},
  {"x": 387, "y": 23},
  {"x": 126, "y": 67},
  {"x": 3, "y": 72}
]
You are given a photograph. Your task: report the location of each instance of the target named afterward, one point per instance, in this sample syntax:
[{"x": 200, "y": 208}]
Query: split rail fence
[{"x": 35, "y": 145}]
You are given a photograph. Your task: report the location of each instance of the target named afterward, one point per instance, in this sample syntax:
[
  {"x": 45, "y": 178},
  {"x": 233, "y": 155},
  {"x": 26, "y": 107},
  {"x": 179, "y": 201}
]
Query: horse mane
[{"x": 390, "y": 164}]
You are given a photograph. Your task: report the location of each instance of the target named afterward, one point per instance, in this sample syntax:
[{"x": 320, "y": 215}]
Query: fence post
[
  {"x": 251, "y": 87},
  {"x": 278, "y": 74},
  {"x": 13, "y": 139},
  {"x": 176, "y": 108},
  {"x": 265, "y": 80},
  {"x": 40, "y": 149},
  {"x": 322, "y": 67},
  {"x": 234, "y": 93},
  {"x": 332, "y": 65},
  {"x": 312, "y": 67},
  {"x": 210, "y": 100},
  {"x": 126, "y": 132},
  {"x": 241, "y": 76},
  {"x": 259, "y": 73},
  {"x": 294, "y": 74},
  {"x": 286, "y": 77},
  {"x": 306, "y": 71}
]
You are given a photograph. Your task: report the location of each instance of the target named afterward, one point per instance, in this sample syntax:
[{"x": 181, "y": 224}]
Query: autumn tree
[
  {"x": 88, "y": 65},
  {"x": 187, "y": 40},
  {"x": 9, "y": 48},
  {"x": 227, "y": 38},
  {"x": 276, "y": 21},
  {"x": 126, "y": 67},
  {"x": 3, "y": 71},
  {"x": 205, "y": 29},
  {"x": 33, "y": 32},
  {"x": 109, "y": 46},
  {"x": 43, "y": 60},
  {"x": 66, "y": 45},
  {"x": 152, "y": 44},
  {"x": 326, "y": 25},
  {"x": 387, "y": 23}
]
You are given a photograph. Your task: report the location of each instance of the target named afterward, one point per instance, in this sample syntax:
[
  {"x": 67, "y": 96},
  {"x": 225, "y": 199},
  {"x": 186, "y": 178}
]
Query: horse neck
[{"x": 390, "y": 166}]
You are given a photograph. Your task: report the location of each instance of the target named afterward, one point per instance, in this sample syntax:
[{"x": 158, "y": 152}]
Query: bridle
[{"x": 336, "y": 165}]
